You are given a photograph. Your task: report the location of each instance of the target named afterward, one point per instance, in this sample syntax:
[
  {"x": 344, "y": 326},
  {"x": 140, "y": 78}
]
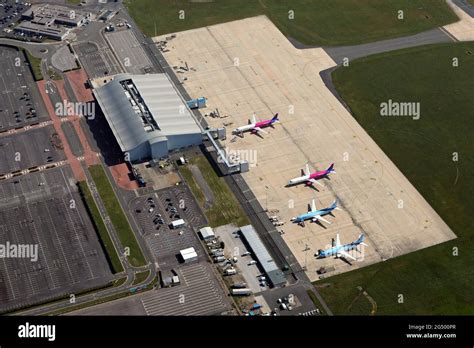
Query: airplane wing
[
  {"x": 307, "y": 169},
  {"x": 315, "y": 182},
  {"x": 321, "y": 218},
  {"x": 338, "y": 241},
  {"x": 345, "y": 255},
  {"x": 258, "y": 129}
]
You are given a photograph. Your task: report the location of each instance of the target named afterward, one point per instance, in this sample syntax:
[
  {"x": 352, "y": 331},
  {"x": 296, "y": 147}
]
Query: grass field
[
  {"x": 117, "y": 216},
  {"x": 35, "y": 65},
  {"x": 100, "y": 228},
  {"x": 225, "y": 208},
  {"x": 140, "y": 277},
  {"x": 315, "y": 22},
  {"x": 119, "y": 282},
  {"x": 433, "y": 280},
  {"x": 315, "y": 300}
]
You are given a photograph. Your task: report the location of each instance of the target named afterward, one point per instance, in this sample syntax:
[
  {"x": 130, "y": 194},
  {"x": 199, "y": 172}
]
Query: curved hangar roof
[{"x": 144, "y": 108}]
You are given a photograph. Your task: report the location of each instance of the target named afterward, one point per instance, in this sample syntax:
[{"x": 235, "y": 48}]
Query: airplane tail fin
[
  {"x": 254, "y": 119},
  {"x": 331, "y": 168},
  {"x": 360, "y": 240},
  {"x": 307, "y": 171},
  {"x": 275, "y": 118},
  {"x": 334, "y": 204},
  {"x": 313, "y": 205}
]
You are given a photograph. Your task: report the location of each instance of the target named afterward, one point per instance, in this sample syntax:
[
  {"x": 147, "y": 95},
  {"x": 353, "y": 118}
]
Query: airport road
[{"x": 338, "y": 54}]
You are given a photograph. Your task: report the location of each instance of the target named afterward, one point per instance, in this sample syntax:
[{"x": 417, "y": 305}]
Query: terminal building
[
  {"x": 51, "y": 21},
  {"x": 47, "y": 14},
  {"x": 147, "y": 115}
]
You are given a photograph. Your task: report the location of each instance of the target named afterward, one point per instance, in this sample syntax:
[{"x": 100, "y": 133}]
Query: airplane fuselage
[
  {"x": 252, "y": 126},
  {"x": 335, "y": 250},
  {"x": 245, "y": 128},
  {"x": 312, "y": 214},
  {"x": 339, "y": 250},
  {"x": 305, "y": 178}
]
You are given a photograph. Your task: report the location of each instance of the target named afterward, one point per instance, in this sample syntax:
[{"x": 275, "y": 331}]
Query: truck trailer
[
  {"x": 197, "y": 103},
  {"x": 239, "y": 285},
  {"x": 177, "y": 223},
  {"x": 241, "y": 292}
]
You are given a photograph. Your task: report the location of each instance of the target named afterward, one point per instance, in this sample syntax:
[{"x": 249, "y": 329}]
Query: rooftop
[
  {"x": 275, "y": 275},
  {"x": 141, "y": 108},
  {"x": 206, "y": 232}
]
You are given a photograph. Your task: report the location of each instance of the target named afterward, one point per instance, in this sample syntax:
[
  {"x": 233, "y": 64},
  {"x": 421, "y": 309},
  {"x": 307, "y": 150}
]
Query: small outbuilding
[
  {"x": 188, "y": 255},
  {"x": 207, "y": 233}
]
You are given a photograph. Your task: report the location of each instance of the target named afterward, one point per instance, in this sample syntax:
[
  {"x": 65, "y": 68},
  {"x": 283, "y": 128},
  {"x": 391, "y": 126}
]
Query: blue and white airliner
[
  {"x": 314, "y": 214},
  {"x": 341, "y": 251}
]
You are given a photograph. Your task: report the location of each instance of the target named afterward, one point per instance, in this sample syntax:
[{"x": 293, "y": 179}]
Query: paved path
[
  {"x": 357, "y": 51},
  {"x": 462, "y": 30},
  {"x": 90, "y": 156},
  {"x": 72, "y": 160}
]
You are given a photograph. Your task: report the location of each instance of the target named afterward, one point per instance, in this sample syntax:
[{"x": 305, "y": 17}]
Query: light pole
[{"x": 306, "y": 248}]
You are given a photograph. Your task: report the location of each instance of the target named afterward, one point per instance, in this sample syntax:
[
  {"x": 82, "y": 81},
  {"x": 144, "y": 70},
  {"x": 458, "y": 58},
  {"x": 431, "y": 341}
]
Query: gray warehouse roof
[
  {"x": 275, "y": 275},
  {"x": 144, "y": 108}
]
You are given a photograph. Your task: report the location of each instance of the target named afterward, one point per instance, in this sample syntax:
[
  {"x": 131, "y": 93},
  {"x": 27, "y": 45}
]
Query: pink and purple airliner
[
  {"x": 256, "y": 127},
  {"x": 311, "y": 178}
]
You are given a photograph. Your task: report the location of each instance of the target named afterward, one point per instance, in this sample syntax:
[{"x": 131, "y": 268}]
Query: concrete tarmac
[{"x": 249, "y": 66}]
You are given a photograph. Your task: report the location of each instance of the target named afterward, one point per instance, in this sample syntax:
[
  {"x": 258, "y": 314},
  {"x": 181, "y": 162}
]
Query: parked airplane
[
  {"x": 256, "y": 127},
  {"x": 311, "y": 178},
  {"x": 341, "y": 251},
  {"x": 314, "y": 215}
]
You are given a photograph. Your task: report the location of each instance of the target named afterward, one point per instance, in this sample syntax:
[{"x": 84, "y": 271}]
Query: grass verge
[
  {"x": 117, "y": 216},
  {"x": 315, "y": 300},
  {"x": 140, "y": 277},
  {"x": 35, "y": 65},
  {"x": 100, "y": 228},
  {"x": 225, "y": 208},
  {"x": 312, "y": 22},
  {"x": 120, "y": 281}
]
